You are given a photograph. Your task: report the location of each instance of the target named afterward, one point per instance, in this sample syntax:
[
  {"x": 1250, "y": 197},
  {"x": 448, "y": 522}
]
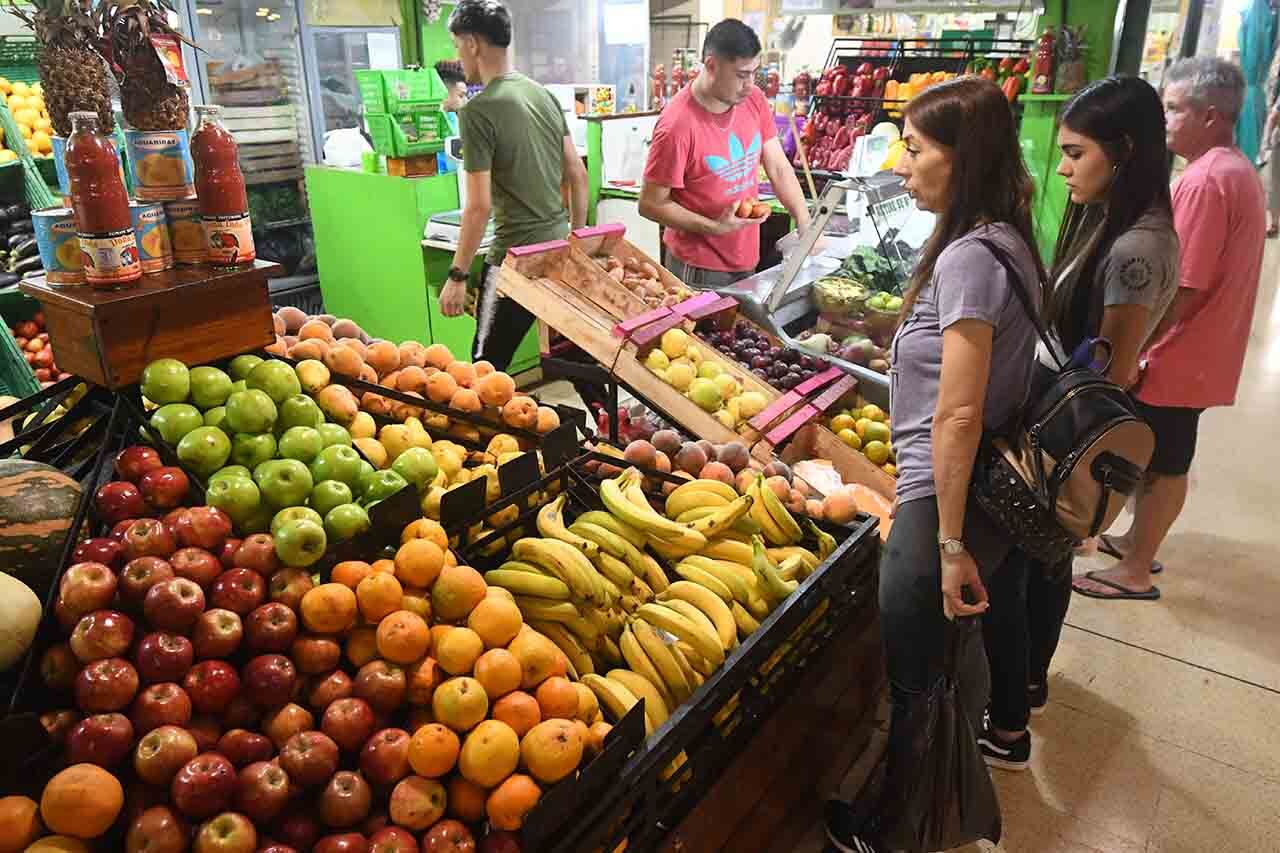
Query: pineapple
[
  {"x": 72, "y": 72},
  {"x": 148, "y": 99}
]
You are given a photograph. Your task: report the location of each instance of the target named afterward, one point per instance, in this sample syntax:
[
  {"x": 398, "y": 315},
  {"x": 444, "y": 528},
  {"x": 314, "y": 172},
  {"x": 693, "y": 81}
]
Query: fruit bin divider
[{"x": 48, "y": 439}]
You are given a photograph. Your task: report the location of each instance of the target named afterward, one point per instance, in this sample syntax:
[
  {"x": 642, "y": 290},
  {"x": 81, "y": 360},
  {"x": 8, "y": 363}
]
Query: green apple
[
  {"x": 416, "y": 465},
  {"x": 215, "y": 417},
  {"x": 338, "y": 462},
  {"x": 250, "y": 411},
  {"x": 284, "y": 482},
  {"x": 302, "y": 443},
  {"x": 166, "y": 380},
  {"x": 366, "y": 473},
  {"x": 330, "y": 493},
  {"x": 252, "y": 449},
  {"x": 238, "y": 497},
  {"x": 379, "y": 485},
  {"x": 175, "y": 420},
  {"x": 299, "y": 410},
  {"x": 276, "y": 378},
  {"x": 204, "y": 450},
  {"x": 209, "y": 387},
  {"x": 300, "y": 542},
  {"x": 230, "y": 471},
  {"x": 241, "y": 365},
  {"x": 259, "y": 521},
  {"x": 346, "y": 522},
  {"x": 332, "y": 434},
  {"x": 288, "y": 514}
]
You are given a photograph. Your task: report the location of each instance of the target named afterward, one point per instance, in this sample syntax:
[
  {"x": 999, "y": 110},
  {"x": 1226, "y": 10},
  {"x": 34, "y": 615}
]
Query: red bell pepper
[
  {"x": 842, "y": 138},
  {"x": 987, "y": 74},
  {"x": 824, "y": 89},
  {"x": 865, "y": 68},
  {"x": 1012, "y": 86},
  {"x": 863, "y": 86},
  {"x": 1006, "y": 65},
  {"x": 1021, "y": 67},
  {"x": 881, "y": 73}
]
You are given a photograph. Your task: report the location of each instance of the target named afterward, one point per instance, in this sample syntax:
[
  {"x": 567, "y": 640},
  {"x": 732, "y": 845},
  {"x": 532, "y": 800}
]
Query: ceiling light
[
  {"x": 262, "y": 13},
  {"x": 204, "y": 11},
  {"x": 274, "y": 16}
]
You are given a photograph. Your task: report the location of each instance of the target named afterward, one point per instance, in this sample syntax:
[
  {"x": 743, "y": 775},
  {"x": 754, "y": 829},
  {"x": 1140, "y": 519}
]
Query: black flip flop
[
  {"x": 1105, "y": 546},
  {"x": 1121, "y": 592}
]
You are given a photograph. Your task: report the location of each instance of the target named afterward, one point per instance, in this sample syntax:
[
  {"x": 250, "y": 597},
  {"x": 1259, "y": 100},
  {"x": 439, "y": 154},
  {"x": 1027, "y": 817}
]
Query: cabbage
[{"x": 839, "y": 295}]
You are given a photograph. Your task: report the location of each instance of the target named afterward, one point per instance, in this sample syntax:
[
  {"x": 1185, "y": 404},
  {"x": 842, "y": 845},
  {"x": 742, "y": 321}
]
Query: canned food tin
[
  {"x": 155, "y": 250},
  {"x": 160, "y": 164},
  {"x": 187, "y": 230},
  {"x": 59, "y": 246}
]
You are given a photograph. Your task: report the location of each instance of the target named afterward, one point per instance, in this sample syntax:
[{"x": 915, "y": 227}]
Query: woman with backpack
[
  {"x": 960, "y": 363},
  {"x": 1115, "y": 272}
]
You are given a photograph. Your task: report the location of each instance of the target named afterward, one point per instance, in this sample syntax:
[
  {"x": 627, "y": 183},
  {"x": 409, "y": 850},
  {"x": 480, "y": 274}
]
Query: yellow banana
[
  {"x": 587, "y": 633},
  {"x": 670, "y": 552},
  {"x": 654, "y": 576},
  {"x": 769, "y": 528},
  {"x": 622, "y": 503},
  {"x": 695, "y": 499},
  {"x": 826, "y": 542},
  {"x": 526, "y": 583},
  {"x": 608, "y": 541},
  {"x": 521, "y": 566},
  {"x": 701, "y": 638},
  {"x": 613, "y": 696},
  {"x": 724, "y": 518},
  {"x": 810, "y": 559},
  {"x": 746, "y": 623},
  {"x": 671, "y": 532},
  {"x": 728, "y": 549},
  {"x": 662, "y": 657},
  {"x": 633, "y": 653},
  {"x": 613, "y": 525},
  {"x": 568, "y": 643},
  {"x": 710, "y": 605},
  {"x": 726, "y": 573},
  {"x": 694, "y": 615},
  {"x": 700, "y": 665},
  {"x": 543, "y": 610},
  {"x": 793, "y": 569},
  {"x": 714, "y": 487},
  {"x": 772, "y": 587},
  {"x": 702, "y": 578},
  {"x": 655, "y": 707},
  {"x": 744, "y": 526},
  {"x": 615, "y": 570},
  {"x": 691, "y": 675},
  {"x": 541, "y": 552},
  {"x": 780, "y": 514},
  {"x": 550, "y": 521},
  {"x": 641, "y": 590},
  {"x": 609, "y": 651}
]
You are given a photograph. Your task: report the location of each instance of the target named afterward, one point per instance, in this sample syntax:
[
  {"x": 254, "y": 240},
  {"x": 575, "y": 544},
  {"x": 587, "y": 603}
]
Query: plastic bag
[
  {"x": 342, "y": 147},
  {"x": 944, "y": 796}
]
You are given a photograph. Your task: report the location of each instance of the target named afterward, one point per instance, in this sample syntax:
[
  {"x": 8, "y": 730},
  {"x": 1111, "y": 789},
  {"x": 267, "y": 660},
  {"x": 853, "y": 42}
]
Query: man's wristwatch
[
  {"x": 951, "y": 547},
  {"x": 457, "y": 274}
]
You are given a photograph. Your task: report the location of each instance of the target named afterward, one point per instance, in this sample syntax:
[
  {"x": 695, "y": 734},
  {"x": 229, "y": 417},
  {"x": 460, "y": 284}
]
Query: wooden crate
[
  {"x": 423, "y": 166},
  {"x": 815, "y": 441},
  {"x": 610, "y": 239}
]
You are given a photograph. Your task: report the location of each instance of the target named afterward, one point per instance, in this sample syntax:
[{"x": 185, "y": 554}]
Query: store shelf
[{"x": 284, "y": 223}]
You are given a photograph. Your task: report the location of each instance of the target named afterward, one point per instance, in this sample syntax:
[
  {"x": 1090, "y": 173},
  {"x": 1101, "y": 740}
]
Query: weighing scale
[{"x": 446, "y": 227}]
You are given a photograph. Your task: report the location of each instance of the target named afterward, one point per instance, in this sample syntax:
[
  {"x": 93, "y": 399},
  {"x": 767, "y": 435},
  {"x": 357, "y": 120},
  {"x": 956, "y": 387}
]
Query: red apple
[
  {"x": 262, "y": 791},
  {"x": 347, "y": 842},
  {"x": 325, "y": 689},
  {"x": 500, "y": 841},
  {"x": 102, "y": 549},
  {"x": 298, "y": 829},
  {"x": 258, "y": 552},
  {"x": 449, "y": 836},
  {"x": 314, "y": 655},
  {"x": 287, "y": 586},
  {"x": 84, "y": 588},
  {"x": 103, "y": 739},
  {"x": 277, "y": 847},
  {"x": 269, "y": 680},
  {"x": 228, "y": 832},
  {"x": 217, "y": 634},
  {"x": 197, "y": 564},
  {"x": 385, "y": 757},
  {"x": 121, "y": 528},
  {"x": 138, "y": 576},
  {"x": 238, "y": 590},
  {"x": 59, "y": 667},
  {"x": 243, "y": 747},
  {"x": 346, "y": 800},
  {"x": 165, "y": 487},
  {"x": 392, "y": 839},
  {"x": 270, "y": 627},
  {"x": 227, "y": 553},
  {"x": 206, "y": 729},
  {"x": 204, "y": 527},
  {"x": 383, "y": 685},
  {"x": 310, "y": 758},
  {"x": 162, "y": 752},
  {"x": 118, "y": 500},
  {"x": 138, "y": 797},
  {"x": 174, "y": 605},
  {"x": 59, "y": 723},
  {"x": 283, "y": 723},
  {"x": 101, "y": 634},
  {"x": 242, "y": 714},
  {"x": 148, "y": 537},
  {"x": 204, "y": 786},
  {"x": 164, "y": 704},
  {"x": 172, "y": 518},
  {"x": 106, "y": 685},
  {"x": 377, "y": 821},
  {"x": 163, "y": 657},
  {"x": 157, "y": 830},
  {"x": 134, "y": 461},
  {"x": 212, "y": 684},
  {"x": 349, "y": 722}
]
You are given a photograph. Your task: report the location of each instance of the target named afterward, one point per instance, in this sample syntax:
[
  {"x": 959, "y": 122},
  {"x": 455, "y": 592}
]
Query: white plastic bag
[{"x": 343, "y": 147}]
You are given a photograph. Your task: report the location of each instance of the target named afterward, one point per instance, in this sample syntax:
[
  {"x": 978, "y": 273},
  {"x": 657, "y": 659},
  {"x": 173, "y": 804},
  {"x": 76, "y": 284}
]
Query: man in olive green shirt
[{"x": 516, "y": 154}]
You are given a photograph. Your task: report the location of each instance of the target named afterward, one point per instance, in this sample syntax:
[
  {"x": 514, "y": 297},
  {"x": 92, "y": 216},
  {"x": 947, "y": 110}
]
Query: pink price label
[
  {"x": 652, "y": 332},
  {"x": 775, "y": 410},
  {"x": 828, "y": 398},
  {"x": 611, "y": 229},
  {"x": 626, "y": 327},
  {"x": 693, "y": 303},
  {"x": 537, "y": 248},
  {"x": 784, "y": 430},
  {"x": 813, "y": 383},
  {"x": 724, "y": 303}
]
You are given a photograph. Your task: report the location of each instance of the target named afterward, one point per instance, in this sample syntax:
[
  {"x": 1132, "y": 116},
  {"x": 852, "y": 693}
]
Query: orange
[
  {"x": 379, "y": 595},
  {"x": 426, "y": 528},
  {"x": 403, "y": 637},
  {"x": 551, "y": 750},
  {"x": 19, "y": 823},
  {"x": 466, "y": 800},
  {"x": 508, "y": 803},
  {"x": 490, "y": 753},
  {"x": 362, "y": 645},
  {"x": 384, "y": 566},
  {"x": 456, "y": 592},
  {"x": 499, "y": 673},
  {"x": 557, "y": 698},
  {"x": 329, "y": 608},
  {"x": 460, "y": 703},
  {"x": 418, "y": 600},
  {"x": 433, "y": 750},
  {"x": 595, "y": 739},
  {"x": 418, "y": 562},
  {"x": 81, "y": 801},
  {"x": 423, "y": 678},
  {"x": 518, "y": 710},
  {"x": 437, "y": 633},
  {"x": 496, "y": 621},
  {"x": 458, "y": 651}
]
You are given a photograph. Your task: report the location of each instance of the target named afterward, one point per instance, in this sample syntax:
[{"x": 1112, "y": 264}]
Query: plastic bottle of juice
[
  {"x": 224, "y": 205},
  {"x": 108, "y": 246}
]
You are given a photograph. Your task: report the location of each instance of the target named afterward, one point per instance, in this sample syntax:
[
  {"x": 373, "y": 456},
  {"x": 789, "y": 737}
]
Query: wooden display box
[
  {"x": 194, "y": 314},
  {"x": 815, "y": 441}
]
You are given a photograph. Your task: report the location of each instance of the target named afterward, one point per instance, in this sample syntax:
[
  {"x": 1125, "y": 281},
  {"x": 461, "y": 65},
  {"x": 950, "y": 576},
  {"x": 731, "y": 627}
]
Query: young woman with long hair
[
  {"x": 960, "y": 362},
  {"x": 1115, "y": 272}
]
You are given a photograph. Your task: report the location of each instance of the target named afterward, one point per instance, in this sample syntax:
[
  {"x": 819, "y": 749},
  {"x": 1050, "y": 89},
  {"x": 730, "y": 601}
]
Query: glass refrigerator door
[{"x": 339, "y": 53}]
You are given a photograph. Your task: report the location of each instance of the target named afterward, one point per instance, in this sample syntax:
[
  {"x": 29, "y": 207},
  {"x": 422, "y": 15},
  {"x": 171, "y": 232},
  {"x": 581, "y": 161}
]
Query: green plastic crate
[
  {"x": 394, "y": 92},
  {"x": 36, "y": 192},
  {"x": 391, "y": 133},
  {"x": 16, "y": 376}
]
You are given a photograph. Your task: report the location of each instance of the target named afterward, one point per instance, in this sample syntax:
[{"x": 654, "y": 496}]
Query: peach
[
  {"x": 315, "y": 329},
  {"x": 548, "y": 419},
  {"x": 441, "y": 387},
  {"x": 344, "y": 360},
  {"x": 464, "y": 373},
  {"x": 383, "y": 356},
  {"x": 413, "y": 354},
  {"x": 311, "y": 348},
  {"x": 354, "y": 344},
  {"x": 520, "y": 412},
  {"x": 438, "y": 356},
  {"x": 495, "y": 389},
  {"x": 483, "y": 368},
  {"x": 412, "y": 379},
  {"x": 465, "y": 400}
]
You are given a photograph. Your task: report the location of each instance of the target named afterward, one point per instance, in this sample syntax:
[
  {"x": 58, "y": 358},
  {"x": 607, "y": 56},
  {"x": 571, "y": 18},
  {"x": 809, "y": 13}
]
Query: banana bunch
[{"x": 775, "y": 520}]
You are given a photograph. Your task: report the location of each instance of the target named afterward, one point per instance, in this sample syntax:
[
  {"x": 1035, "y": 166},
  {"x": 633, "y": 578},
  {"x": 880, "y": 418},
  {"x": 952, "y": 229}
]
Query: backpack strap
[{"x": 1024, "y": 299}]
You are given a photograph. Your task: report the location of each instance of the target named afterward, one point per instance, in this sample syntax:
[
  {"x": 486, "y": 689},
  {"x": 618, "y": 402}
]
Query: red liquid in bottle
[
  {"x": 108, "y": 246},
  {"x": 224, "y": 205}
]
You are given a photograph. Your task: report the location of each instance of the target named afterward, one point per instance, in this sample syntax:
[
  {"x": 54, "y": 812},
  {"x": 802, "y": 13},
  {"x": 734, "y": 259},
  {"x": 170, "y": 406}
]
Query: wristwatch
[
  {"x": 951, "y": 547},
  {"x": 457, "y": 274}
]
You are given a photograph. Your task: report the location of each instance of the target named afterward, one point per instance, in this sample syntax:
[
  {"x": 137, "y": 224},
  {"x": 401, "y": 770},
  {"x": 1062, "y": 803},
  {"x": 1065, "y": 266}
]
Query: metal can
[
  {"x": 160, "y": 164},
  {"x": 59, "y": 246},
  {"x": 155, "y": 251},
  {"x": 187, "y": 230}
]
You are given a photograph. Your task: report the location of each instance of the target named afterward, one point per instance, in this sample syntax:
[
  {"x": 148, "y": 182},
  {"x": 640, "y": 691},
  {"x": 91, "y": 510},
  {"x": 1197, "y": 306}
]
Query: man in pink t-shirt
[
  {"x": 1194, "y": 357},
  {"x": 704, "y": 158}
]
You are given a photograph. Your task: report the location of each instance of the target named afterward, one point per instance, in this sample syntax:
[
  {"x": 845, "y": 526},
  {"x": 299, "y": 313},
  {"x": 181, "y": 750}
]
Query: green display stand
[{"x": 373, "y": 268}]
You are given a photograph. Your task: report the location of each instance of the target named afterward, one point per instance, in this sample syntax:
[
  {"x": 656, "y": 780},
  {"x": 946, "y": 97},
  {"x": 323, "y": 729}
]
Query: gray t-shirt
[
  {"x": 968, "y": 284},
  {"x": 1141, "y": 268}
]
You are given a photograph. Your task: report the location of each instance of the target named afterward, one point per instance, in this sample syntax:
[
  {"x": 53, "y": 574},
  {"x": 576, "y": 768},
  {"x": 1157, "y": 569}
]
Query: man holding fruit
[{"x": 700, "y": 178}]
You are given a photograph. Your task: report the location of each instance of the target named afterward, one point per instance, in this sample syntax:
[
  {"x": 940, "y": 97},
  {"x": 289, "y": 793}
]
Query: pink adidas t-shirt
[
  {"x": 1219, "y": 212},
  {"x": 710, "y": 162}
]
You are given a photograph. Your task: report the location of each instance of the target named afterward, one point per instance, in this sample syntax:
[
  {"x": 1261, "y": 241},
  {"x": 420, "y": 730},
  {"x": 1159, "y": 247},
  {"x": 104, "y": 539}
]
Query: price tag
[
  {"x": 462, "y": 505},
  {"x": 821, "y": 380},
  {"x": 776, "y": 409},
  {"x": 785, "y": 429},
  {"x": 518, "y": 473},
  {"x": 560, "y": 446},
  {"x": 828, "y": 398}
]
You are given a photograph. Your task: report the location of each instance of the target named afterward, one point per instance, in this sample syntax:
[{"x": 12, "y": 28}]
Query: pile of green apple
[{"x": 270, "y": 459}]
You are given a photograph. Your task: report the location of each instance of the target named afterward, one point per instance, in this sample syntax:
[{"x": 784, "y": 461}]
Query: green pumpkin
[{"x": 37, "y": 507}]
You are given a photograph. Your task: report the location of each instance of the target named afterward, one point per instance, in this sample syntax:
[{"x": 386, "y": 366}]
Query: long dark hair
[
  {"x": 1125, "y": 117},
  {"x": 989, "y": 182}
]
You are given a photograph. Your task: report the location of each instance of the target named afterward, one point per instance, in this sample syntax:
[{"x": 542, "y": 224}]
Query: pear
[
  {"x": 338, "y": 404},
  {"x": 396, "y": 438}
]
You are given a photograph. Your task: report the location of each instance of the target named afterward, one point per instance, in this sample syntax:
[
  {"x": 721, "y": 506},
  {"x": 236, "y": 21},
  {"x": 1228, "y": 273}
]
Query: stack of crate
[{"x": 402, "y": 112}]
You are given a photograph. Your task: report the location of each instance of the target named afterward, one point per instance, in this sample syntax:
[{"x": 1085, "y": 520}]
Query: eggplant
[
  {"x": 27, "y": 265},
  {"x": 14, "y": 211},
  {"x": 22, "y": 226},
  {"x": 8, "y": 279},
  {"x": 26, "y": 249},
  {"x": 35, "y": 273},
  {"x": 17, "y": 240}
]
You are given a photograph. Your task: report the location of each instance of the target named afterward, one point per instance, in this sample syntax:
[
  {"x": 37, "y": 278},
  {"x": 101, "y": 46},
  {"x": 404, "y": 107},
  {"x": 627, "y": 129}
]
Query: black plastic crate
[{"x": 308, "y": 298}]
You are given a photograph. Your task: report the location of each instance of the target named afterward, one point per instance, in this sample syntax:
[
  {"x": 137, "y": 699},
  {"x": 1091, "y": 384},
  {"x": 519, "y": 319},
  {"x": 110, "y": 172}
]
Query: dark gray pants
[{"x": 703, "y": 279}]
